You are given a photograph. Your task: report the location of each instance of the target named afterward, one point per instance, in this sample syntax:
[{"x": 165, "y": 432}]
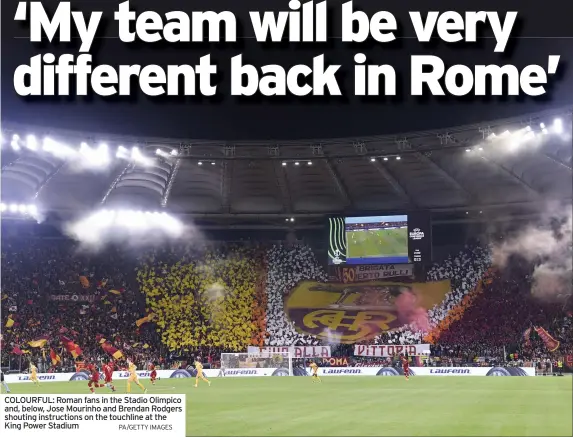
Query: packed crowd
[
  {"x": 205, "y": 299},
  {"x": 184, "y": 302},
  {"x": 287, "y": 266},
  {"x": 55, "y": 298}
]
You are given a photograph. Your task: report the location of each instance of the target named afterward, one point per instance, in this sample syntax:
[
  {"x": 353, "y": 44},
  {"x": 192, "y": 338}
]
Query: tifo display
[{"x": 215, "y": 322}]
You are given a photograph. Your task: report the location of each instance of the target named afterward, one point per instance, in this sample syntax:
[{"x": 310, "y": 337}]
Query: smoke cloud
[
  {"x": 548, "y": 245},
  {"x": 410, "y": 312}
]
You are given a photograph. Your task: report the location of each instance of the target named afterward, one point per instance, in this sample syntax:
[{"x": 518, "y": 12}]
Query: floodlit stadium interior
[{"x": 169, "y": 252}]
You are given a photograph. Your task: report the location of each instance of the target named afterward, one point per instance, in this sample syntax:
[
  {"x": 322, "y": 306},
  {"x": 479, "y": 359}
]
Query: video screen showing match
[{"x": 377, "y": 240}]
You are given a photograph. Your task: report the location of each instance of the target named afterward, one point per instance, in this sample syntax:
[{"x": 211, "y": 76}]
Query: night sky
[{"x": 544, "y": 29}]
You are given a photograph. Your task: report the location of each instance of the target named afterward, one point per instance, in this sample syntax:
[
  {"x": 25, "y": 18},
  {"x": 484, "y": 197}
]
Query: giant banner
[
  {"x": 355, "y": 312},
  {"x": 375, "y": 272},
  {"x": 389, "y": 350},
  {"x": 295, "y": 351}
]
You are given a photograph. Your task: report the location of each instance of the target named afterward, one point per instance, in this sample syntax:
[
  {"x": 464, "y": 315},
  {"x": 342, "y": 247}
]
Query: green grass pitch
[
  {"x": 382, "y": 242},
  {"x": 363, "y": 406}
]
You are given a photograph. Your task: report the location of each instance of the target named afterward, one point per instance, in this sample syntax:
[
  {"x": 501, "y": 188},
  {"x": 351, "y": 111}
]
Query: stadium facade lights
[
  {"x": 398, "y": 158},
  {"x": 121, "y": 153},
  {"x": 385, "y": 158},
  {"x": 529, "y": 135},
  {"x": 213, "y": 163},
  {"x": 95, "y": 157},
  {"x": 31, "y": 142},
  {"x": 372, "y": 159},
  {"x": 297, "y": 163},
  {"x": 468, "y": 150},
  {"x": 174, "y": 152},
  {"x": 126, "y": 222},
  {"x": 15, "y": 142},
  {"x": 480, "y": 149},
  {"x": 200, "y": 163},
  {"x": 309, "y": 163},
  {"x": 284, "y": 164},
  {"x": 163, "y": 153},
  {"x": 139, "y": 158},
  {"x": 19, "y": 209},
  {"x": 58, "y": 150}
]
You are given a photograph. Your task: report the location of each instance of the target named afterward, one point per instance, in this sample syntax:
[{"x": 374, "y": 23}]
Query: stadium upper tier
[{"x": 504, "y": 163}]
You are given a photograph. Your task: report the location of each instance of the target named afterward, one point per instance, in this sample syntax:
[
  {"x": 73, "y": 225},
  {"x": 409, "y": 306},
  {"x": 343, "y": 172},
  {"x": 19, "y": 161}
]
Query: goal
[{"x": 260, "y": 364}]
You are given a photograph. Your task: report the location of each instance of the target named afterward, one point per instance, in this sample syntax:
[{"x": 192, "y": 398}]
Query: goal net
[{"x": 260, "y": 364}]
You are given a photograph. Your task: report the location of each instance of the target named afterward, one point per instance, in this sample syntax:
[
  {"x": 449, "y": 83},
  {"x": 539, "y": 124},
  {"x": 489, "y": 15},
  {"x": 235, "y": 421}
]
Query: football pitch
[
  {"x": 363, "y": 406},
  {"x": 378, "y": 243}
]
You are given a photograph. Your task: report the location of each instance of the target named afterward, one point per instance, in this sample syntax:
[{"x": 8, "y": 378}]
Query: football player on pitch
[
  {"x": 153, "y": 375},
  {"x": 199, "y": 368},
  {"x": 4, "y": 382},
  {"x": 108, "y": 375},
  {"x": 133, "y": 377},
  {"x": 93, "y": 382},
  {"x": 34, "y": 374},
  {"x": 405, "y": 366},
  {"x": 314, "y": 368}
]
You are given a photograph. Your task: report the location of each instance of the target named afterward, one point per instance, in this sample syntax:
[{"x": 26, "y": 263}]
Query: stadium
[{"x": 436, "y": 253}]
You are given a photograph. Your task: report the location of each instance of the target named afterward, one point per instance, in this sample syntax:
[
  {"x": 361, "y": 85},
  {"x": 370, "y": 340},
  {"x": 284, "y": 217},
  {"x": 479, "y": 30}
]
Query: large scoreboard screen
[{"x": 387, "y": 239}]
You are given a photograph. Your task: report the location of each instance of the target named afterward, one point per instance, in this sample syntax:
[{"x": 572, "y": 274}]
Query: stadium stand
[
  {"x": 287, "y": 266},
  {"x": 201, "y": 301},
  {"x": 205, "y": 299},
  {"x": 52, "y": 291}
]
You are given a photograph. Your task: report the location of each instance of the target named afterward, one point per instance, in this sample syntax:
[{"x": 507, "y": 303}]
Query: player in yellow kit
[
  {"x": 34, "y": 374},
  {"x": 133, "y": 377},
  {"x": 199, "y": 368},
  {"x": 314, "y": 368}
]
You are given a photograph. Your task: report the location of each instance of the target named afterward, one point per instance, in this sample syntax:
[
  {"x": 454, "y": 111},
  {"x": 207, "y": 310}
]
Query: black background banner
[
  {"x": 365, "y": 273},
  {"x": 420, "y": 237}
]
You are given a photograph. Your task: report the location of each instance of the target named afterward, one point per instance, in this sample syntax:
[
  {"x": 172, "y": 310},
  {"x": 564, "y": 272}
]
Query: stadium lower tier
[{"x": 174, "y": 306}]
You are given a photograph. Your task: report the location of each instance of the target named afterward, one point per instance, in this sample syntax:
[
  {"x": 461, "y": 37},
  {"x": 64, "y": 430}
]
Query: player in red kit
[
  {"x": 108, "y": 375},
  {"x": 153, "y": 375},
  {"x": 405, "y": 366},
  {"x": 94, "y": 378}
]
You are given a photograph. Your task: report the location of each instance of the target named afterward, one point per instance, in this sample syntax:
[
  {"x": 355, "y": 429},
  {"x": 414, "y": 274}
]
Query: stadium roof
[{"x": 511, "y": 165}]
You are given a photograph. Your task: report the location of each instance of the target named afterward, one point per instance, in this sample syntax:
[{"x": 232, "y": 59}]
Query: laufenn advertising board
[
  {"x": 12, "y": 378},
  {"x": 425, "y": 371},
  {"x": 298, "y": 371}
]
